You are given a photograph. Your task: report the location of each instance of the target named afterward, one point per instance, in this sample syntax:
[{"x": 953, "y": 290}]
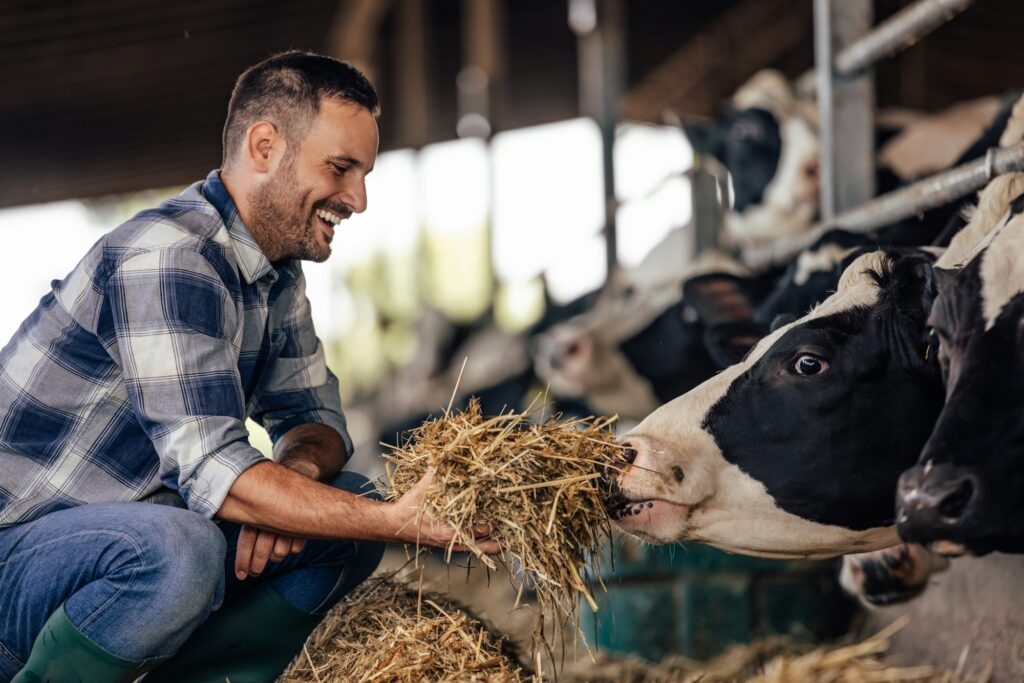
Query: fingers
[
  {"x": 243, "y": 551},
  {"x": 282, "y": 546},
  {"x": 487, "y": 546},
  {"x": 257, "y": 547},
  {"x": 261, "y": 552},
  {"x": 481, "y": 529}
]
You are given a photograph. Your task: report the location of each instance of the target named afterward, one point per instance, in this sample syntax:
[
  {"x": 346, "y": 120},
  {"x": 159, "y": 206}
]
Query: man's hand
[
  {"x": 257, "y": 546},
  {"x": 412, "y": 524}
]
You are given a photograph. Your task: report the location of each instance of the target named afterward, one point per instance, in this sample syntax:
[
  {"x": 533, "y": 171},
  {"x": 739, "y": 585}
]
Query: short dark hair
[{"x": 286, "y": 89}]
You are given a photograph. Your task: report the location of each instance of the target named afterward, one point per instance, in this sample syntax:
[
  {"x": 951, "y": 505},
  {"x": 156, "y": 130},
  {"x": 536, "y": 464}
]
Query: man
[{"x": 137, "y": 372}]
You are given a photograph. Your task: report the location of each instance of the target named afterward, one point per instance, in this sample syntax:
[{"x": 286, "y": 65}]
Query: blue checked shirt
[{"x": 139, "y": 369}]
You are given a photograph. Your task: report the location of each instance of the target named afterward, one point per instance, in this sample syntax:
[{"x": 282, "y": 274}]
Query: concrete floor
[{"x": 973, "y": 612}]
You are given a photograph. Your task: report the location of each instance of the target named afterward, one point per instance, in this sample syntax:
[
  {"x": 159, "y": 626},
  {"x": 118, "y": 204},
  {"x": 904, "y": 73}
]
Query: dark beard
[{"x": 279, "y": 222}]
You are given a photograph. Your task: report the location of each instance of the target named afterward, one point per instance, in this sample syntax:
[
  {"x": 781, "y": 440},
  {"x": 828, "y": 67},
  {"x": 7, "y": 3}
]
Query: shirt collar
[{"x": 252, "y": 263}]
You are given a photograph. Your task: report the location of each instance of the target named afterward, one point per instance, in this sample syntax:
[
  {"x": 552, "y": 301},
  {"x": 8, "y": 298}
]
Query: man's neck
[{"x": 239, "y": 191}]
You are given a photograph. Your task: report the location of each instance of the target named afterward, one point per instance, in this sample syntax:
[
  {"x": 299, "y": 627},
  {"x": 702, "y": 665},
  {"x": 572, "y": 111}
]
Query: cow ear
[
  {"x": 912, "y": 287},
  {"x": 702, "y": 138},
  {"x": 781, "y": 320},
  {"x": 729, "y": 343},
  {"x": 943, "y": 278},
  {"x": 718, "y": 298}
]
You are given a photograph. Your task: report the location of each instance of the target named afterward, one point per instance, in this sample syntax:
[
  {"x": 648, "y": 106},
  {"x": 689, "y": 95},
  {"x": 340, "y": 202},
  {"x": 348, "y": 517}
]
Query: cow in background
[
  {"x": 642, "y": 346},
  {"x": 768, "y": 140}
]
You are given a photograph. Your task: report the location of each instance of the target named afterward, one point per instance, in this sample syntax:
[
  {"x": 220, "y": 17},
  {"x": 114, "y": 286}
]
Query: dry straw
[
  {"x": 387, "y": 633},
  {"x": 777, "y": 660},
  {"x": 536, "y": 483}
]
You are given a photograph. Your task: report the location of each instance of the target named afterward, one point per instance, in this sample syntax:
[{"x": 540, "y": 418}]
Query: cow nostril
[
  {"x": 628, "y": 454},
  {"x": 572, "y": 349},
  {"x": 953, "y": 505}
]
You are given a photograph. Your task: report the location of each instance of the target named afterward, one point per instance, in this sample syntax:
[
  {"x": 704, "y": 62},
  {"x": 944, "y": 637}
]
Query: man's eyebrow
[
  {"x": 345, "y": 160},
  {"x": 349, "y": 161}
]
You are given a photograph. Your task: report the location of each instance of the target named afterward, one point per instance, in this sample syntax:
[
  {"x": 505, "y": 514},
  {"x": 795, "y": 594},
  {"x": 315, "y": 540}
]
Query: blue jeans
[{"x": 137, "y": 579}]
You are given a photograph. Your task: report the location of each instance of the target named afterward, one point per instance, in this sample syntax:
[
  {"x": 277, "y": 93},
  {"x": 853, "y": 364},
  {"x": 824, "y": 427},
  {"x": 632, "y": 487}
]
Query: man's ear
[{"x": 264, "y": 146}]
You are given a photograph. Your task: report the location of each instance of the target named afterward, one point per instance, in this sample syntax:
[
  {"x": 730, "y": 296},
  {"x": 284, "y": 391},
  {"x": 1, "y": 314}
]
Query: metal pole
[
  {"x": 846, "y": 109},
  {"x": 707, "y": 207},
  {"x": 898, "y": 32},
  {"x": 823, "y": 71},
  {"x": 598, "y": 25},
  {"x": 887, "y": 209}
]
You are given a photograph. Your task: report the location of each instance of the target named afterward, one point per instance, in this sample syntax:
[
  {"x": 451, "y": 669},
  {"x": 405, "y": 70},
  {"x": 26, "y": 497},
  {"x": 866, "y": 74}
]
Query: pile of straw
[
  {"x": 536, "y": 484},
  {"x": 387, "y": 633},
  {"x": 776, "y": 660}
]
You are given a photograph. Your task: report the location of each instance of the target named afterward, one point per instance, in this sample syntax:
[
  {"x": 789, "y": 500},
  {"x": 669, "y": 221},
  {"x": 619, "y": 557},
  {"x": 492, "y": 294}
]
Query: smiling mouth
[{"x": 329, "y": 221}]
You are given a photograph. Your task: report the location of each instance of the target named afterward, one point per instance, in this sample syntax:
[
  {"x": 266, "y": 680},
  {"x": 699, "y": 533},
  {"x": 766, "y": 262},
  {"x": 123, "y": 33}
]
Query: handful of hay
[
  {"x": 387, "y": 633},
  {"x": 537, "y": 485}
]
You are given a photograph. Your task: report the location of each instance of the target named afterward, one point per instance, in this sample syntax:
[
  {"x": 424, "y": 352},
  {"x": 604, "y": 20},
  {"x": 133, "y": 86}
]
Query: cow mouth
[
  {"x": 629, "y": 508},
  {"x": 625, "y": 507}
]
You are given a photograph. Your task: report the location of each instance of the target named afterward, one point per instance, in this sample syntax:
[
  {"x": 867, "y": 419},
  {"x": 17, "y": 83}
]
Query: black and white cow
[
  {"x": 795, "y": 452},
  {"x": 967, "y": 492},
  {"x": 640, "y": 347},
  {"x": 769, "y": 142}
]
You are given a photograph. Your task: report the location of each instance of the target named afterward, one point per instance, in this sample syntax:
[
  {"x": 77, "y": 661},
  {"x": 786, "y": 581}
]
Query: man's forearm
[
  {"x": 273, "y": 497},
  {"x": 313, "y": 450}
]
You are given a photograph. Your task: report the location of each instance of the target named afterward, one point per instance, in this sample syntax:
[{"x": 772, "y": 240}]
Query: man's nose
[{"x": 354, "y": 196}]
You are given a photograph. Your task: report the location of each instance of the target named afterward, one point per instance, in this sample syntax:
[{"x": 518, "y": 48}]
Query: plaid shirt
[{"x": 140, "y": 368}]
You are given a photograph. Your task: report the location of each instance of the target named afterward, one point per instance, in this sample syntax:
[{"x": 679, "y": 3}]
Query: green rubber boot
[
  {"x": 250, "y": 640},
  {"x": 62, "y": 654}
]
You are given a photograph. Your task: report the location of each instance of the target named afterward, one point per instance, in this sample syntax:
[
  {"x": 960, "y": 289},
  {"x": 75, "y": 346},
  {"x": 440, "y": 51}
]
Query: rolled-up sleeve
[
  {"x": 300, "y": 388},
  {"x": 172, "y": 315}
]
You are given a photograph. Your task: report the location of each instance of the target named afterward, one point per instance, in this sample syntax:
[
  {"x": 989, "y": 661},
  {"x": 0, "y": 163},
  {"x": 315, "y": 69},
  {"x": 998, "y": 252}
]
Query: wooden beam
[
  {"x": 749, "y": 36},
  {"x": 354, "y": 30},
  {"x": 412, "y": 106}
]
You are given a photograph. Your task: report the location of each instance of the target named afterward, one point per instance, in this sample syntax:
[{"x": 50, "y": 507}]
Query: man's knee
[
  {"x": 192, "y": 548},
  {"x": 117, "y": 561}
]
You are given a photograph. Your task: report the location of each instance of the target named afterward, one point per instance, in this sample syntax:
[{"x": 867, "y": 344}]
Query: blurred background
[{"x": 530, "y": 150}]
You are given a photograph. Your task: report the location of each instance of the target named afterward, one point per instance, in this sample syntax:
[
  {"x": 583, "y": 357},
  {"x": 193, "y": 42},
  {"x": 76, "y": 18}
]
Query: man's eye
[
  {"x": 340, "y": 170},
  {"x": 809, "y": 364}
]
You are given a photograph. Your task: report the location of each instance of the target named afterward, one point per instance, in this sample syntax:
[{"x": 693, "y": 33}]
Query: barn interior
[{"x": 532, "y": 155}]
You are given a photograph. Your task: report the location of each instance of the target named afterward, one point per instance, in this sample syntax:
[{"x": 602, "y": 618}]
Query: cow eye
[{"x": 809, "y": 364}]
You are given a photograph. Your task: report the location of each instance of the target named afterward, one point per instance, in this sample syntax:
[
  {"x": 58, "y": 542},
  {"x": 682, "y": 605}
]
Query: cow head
[
  {"x": 795, "y": 451},
  {"x": 624, "y": 367},
  {"x": 965, "y": 495},
  {"x": 642, "y": 344},
  {"x": 769, "y": 144}
]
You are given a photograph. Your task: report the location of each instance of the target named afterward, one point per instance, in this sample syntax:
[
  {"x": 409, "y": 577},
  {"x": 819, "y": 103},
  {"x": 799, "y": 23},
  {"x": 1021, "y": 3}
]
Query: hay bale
[
  {"x": 536, "y": 484},
  {"x": 386, "y": 633}
]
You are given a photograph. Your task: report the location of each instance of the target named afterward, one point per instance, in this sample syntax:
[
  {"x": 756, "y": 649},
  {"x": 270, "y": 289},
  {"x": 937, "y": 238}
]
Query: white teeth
[{"x": 328, "y": 216}]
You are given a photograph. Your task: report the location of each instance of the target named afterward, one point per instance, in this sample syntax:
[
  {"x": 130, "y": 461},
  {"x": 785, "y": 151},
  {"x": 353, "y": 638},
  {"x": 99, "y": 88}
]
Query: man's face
[{"x": 318, "y": 185}]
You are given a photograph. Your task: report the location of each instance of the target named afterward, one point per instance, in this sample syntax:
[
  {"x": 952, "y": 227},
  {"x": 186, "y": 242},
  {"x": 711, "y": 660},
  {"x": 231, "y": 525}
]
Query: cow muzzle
[
  {"x": 650, "y": 492},
  {"x": 937, "y": 506}
]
